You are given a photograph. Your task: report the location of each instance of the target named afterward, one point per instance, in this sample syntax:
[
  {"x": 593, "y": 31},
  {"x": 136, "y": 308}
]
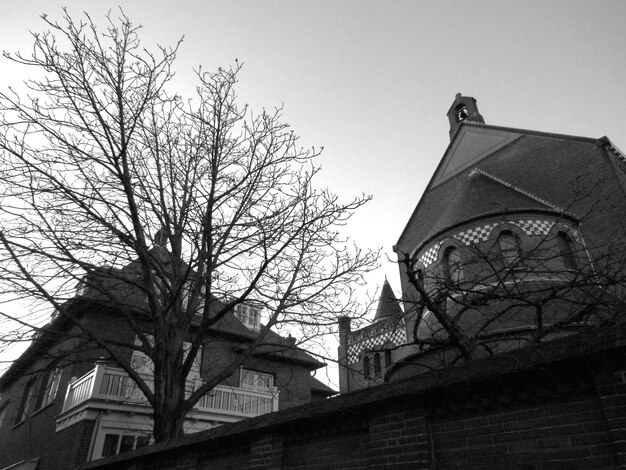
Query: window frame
[
  {"x": 47, "y": 387},
  {"x": 388, "y": 358},
  {"x": 453, "y": 269},
  {"x": 25, "y": 401},
  {"x": 249, "y": 316},
  {"x": 567, "y": 252},
  {"x": 367, "y": 367},
  {"x": 504, "y": 253},
  {"x": 143, "y": 365},
  {"x": 3, "y": 413},
  {"x": 378, "y": 370},
  {"x": 244, "y": 372},
  {"x": 119, "y": 436}
]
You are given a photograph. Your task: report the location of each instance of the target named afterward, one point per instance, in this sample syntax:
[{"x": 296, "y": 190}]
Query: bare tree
[{"x": 172, "y": 212}]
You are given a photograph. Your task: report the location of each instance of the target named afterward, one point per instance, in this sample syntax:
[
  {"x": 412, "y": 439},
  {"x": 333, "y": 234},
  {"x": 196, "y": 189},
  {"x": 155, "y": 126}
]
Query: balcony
[{"x": 107, "y": 388}]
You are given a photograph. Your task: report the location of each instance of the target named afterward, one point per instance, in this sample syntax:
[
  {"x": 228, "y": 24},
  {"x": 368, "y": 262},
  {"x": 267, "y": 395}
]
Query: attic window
[{"x": 249, "y": 315}]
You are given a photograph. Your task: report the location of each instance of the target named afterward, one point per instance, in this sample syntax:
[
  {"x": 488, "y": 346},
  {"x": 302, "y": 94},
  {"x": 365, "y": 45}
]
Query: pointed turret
[{"x": 387, "y": 303}]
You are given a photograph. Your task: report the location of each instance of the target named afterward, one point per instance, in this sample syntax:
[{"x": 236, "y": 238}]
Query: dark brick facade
[
  {"x": 560, "y": 405},
  {"x": 36, "y": 435}
]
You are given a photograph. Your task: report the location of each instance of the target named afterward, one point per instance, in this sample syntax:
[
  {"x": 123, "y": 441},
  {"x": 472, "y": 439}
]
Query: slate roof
[
  {"x": 475, "y": 195},
  {"x": 321, "y": 388},
  {"x": 124, "y": 283},
  {"x": 388, "y": 305},
  {"x": 556, "y": 169}
]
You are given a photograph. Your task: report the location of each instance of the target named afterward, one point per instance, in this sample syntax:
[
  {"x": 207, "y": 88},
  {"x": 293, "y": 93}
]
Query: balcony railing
[{"x": 109, "y": 384}]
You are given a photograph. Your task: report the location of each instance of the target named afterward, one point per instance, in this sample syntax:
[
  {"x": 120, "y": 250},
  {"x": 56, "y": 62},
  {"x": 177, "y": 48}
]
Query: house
[
  {"x": 520, "y": 236},
  {"x": 61, "y": 404}
]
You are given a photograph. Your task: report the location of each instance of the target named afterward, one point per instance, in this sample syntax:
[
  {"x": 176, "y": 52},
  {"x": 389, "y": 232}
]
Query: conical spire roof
[{"x": 387, "y": 303}]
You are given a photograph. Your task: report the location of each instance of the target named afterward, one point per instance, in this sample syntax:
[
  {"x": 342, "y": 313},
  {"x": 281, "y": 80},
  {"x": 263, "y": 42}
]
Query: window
[
  {"x": 452, "y": 265},
  {"x": 140, "y": 361},
  {"x": 117, "y": 443},
  {"x": 254, "y": 379},
  {"x": 81, "y": 288},
  {"x": 3, "y": 413},
  {"x": 248, "y": 315},
  {"x": 509, "y": 248},
  {"x": 566, "y": 250},
  {"x": 199, "y": 304},
  {"x": 377, "y": 368},
  {"x": 387, "y": 358},
  {"x": 47, "y": 387},
  {"x": 144, "y": 366},
  {"x": 366, "y": 366},
  {"x": 27, "y": 393}
]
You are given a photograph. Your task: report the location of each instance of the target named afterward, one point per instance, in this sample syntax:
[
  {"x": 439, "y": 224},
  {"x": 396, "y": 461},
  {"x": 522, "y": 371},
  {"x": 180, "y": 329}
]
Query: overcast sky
[{"x": 371, "y": 81}]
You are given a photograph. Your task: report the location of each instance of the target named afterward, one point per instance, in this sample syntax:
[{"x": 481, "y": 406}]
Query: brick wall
[
  {"x": 565, "y": 414},
  {"x": 36, "y": 436}
]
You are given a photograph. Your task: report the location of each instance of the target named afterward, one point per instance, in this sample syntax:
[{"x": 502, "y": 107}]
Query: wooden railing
[{"x": 105, "y": 383}]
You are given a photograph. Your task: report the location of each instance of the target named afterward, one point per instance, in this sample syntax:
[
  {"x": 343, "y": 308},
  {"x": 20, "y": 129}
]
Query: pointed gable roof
[
  {"x": 477, "y": 195},
  {"x": 470, "y": 144},
  {"x": 487, "y": 169},
  {"x": 387, "y": 303}
]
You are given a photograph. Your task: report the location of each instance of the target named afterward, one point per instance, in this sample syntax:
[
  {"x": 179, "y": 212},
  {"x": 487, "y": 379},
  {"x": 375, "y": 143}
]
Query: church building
[{"x": 518, "y": 238}]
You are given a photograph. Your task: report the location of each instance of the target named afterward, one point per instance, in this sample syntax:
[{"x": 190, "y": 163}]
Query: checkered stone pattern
[
  {"x": 474, "y": 235},
  {"x": 396, "y": 336},
  {"x": 430, "y": 255},
  {"x": 535, "y": 227}
]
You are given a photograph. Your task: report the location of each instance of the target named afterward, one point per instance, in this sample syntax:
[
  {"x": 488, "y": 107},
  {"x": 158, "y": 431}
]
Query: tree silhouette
[{"x": 169, "y": 212}]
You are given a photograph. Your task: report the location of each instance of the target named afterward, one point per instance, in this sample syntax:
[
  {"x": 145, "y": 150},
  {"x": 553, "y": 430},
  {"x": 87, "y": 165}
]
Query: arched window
[
  {"x": 377, "y": 368},
  {"x": 566, "y": 250},
  {"x": 366, "y": 366},
  {"x": 387, "y": 358},
  {"x": 509, "y": 247},
  {"x": 452, "y": 264}
]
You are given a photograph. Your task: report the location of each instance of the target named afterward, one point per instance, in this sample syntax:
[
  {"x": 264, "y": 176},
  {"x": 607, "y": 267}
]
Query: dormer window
[
  {"x": 185, "y": 292},
  {"x": 249, "y": 315}
]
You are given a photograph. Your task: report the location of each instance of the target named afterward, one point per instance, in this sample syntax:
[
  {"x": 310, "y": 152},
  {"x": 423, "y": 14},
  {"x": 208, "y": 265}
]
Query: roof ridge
[{"x": 555, "y": 135}]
